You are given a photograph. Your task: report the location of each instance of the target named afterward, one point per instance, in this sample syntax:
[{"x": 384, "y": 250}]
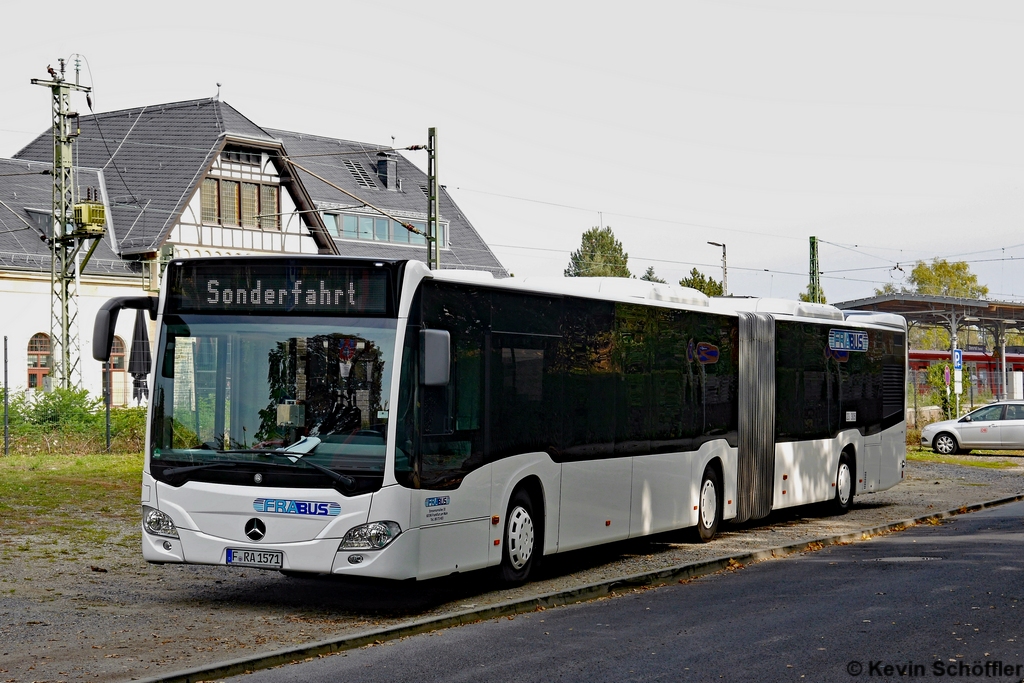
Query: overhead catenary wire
[
  {"x": 364, "y": 151},
  {"x": 653, "y": 219},
  {"x": 405, "y": 224},
  {"x": 99, "y": 129},
  {"x": 830, "y": 274}
]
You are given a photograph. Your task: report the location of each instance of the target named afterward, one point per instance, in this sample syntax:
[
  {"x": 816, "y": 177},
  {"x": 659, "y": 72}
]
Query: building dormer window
[{"x": 234, "y": 203}]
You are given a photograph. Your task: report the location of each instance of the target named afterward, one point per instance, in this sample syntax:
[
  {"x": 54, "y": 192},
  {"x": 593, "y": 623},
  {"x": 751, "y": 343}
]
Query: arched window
[
  {"x": 116, "y": 382},
  {"x": 38, "y": 360}
]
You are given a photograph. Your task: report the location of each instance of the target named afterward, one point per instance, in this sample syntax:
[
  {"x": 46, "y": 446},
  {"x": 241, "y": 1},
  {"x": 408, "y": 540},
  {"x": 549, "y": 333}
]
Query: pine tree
[
  {"x": 702, "y": 283},
  {"x": 599, "y": 255},
  {"x": 650, "y": 276}
]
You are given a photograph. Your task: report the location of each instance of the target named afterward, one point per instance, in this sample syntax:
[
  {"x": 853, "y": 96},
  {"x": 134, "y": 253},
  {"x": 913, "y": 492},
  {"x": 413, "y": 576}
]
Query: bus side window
[
  {"x": 526, "y": 395},
  {"x": 587, "y": 360},
  {"x": 469, "y": 383}
]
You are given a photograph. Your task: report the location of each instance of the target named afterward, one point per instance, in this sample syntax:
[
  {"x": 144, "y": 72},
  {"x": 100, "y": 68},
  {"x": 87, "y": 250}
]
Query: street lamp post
[{"x": 725, "y": 270}]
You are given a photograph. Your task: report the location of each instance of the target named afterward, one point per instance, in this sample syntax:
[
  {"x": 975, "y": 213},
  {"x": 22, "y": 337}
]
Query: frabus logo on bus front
[
  {"x": 436, "y": 502},
  {"x": 297, "y": 507},
  {"x": 847, "y": 340}
]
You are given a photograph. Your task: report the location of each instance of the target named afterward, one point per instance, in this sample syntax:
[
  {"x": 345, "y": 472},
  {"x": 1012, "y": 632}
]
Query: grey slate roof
[
  {"x": 317, "y": 153},
  {"x": 29, "y": 185},
  {"x": 152, "y": 157}
]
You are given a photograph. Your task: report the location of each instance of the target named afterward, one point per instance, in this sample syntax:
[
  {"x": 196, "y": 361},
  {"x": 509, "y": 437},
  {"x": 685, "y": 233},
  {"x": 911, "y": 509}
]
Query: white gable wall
[{"x": 191, "y": 238}]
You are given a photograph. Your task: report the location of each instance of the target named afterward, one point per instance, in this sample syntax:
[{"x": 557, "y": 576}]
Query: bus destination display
[
  {"x": 295, "y": 289},
  {"x": 847, "y": 340}
]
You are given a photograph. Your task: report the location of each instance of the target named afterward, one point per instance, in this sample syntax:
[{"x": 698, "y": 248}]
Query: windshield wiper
[{"x": 348, "y": 482}]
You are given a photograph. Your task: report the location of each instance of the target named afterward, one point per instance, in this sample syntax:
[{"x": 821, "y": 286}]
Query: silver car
[{"x": 996, "y": 426}]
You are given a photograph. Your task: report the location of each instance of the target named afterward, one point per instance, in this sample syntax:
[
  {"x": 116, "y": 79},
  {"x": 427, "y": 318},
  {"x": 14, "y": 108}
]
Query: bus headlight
[
  {"x": 157, "y": 523},
  {"x": 372, "y": 536}
]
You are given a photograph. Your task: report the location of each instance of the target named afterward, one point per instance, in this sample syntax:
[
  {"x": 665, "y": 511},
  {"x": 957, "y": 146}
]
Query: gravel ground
[{"x": 112, "y": 617}]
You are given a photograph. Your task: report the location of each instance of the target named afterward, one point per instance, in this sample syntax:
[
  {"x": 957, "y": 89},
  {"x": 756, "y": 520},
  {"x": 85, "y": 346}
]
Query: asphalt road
[{"x": 935, "y": 602}]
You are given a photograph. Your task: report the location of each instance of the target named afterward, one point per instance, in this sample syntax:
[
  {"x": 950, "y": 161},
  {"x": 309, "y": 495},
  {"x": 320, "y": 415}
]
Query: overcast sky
[{"x": 893, "y": 131}]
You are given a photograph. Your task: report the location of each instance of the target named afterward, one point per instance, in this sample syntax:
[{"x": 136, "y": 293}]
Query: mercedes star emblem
[
  {"x": 255, "y": 529},
  {"x": 258, "y": 478}
]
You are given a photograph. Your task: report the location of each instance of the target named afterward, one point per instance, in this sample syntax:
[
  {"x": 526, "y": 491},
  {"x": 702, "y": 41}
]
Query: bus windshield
[{"x": 237, "y": 390}]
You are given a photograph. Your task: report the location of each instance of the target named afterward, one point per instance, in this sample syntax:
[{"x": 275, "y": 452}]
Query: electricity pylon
[
  {"x": 814, "y": 286},
  {"x": 433, "y": 197},
  {"x": 73, "y": 227}
]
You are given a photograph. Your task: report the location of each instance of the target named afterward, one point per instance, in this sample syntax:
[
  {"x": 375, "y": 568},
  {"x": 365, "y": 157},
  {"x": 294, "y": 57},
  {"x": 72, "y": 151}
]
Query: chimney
[{"x": 387, "y": 170}]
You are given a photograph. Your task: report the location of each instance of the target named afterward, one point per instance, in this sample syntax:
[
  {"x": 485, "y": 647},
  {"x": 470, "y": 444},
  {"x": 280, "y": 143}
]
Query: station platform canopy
[{"x": 950, "y": 312}]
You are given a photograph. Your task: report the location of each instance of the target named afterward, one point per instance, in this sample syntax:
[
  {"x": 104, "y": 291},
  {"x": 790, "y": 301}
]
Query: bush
[
  {"x": 127, "y": 429},
  {"x": 65, "y": 410},
  {"x": 69, "y": 421}
]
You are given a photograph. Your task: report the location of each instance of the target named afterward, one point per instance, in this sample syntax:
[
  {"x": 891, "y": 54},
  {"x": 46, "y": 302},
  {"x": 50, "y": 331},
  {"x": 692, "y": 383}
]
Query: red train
[{"x": 985, "y": 369}]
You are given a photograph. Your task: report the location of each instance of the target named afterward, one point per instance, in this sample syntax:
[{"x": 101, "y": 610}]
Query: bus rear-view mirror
[
  {"x": 435, "y": 357},
  {"x": 106, "y": 321}
]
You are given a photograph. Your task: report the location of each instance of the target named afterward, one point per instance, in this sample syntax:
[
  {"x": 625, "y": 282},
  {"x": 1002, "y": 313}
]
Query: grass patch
[
  {"x": 72, "y": 495},
  {"x": 966, "y": 460}
]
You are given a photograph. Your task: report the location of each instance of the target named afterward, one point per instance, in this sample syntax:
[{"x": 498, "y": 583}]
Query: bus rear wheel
[
  {"x": 709, "y": 506},
  {"x": 518, "y": 557}
]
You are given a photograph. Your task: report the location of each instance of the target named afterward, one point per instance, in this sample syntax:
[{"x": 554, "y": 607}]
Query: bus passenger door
[{"x": 453, "y": 506}]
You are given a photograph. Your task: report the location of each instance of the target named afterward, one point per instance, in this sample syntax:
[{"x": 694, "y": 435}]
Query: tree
[
  {"x": 943, "y": 278},
  {"x": 702, "y": 283},
  {"x": 650, "y": 276},
  {"x": 809, "y": 297},
  {"x": 940, "y": 278},
  {"x": 599, "y": 255},
  {"x": 936, "y": 379}
]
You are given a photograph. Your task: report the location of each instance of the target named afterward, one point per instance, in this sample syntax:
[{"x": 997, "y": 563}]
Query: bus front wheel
[
  {"x": 709, "y": 512},
  {"x": 520, "y": 543},
  {"x": 844, "y": 486}
]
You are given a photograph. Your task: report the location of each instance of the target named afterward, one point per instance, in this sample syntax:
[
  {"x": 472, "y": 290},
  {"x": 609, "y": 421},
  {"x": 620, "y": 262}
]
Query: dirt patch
[{"x": 104, "y": 614}]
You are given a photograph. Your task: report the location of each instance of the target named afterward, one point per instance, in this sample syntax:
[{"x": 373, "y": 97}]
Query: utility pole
[
  {"x": 433, "y": 193},
  {"x": 725, "y": 270},
  {"x": 74, "y": 226},
  {"x": 814, "y": 286}
]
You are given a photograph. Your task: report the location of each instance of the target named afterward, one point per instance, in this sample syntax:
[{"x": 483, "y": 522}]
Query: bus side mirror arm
[
  {"x": 106, "y": 321},
  {"x": 435, "y": 357}
]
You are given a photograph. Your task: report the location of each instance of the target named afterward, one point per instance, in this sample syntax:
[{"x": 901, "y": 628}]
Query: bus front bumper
[{"x": 317, "y": 556}]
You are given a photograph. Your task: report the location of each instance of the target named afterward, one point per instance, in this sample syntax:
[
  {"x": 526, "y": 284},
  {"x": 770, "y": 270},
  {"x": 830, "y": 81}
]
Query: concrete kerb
[{"x": 557, "y": 599}]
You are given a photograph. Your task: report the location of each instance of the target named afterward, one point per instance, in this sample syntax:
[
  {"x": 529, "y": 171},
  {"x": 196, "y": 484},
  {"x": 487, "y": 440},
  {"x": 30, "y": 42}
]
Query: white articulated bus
[{"x": 375, "y": 418}]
